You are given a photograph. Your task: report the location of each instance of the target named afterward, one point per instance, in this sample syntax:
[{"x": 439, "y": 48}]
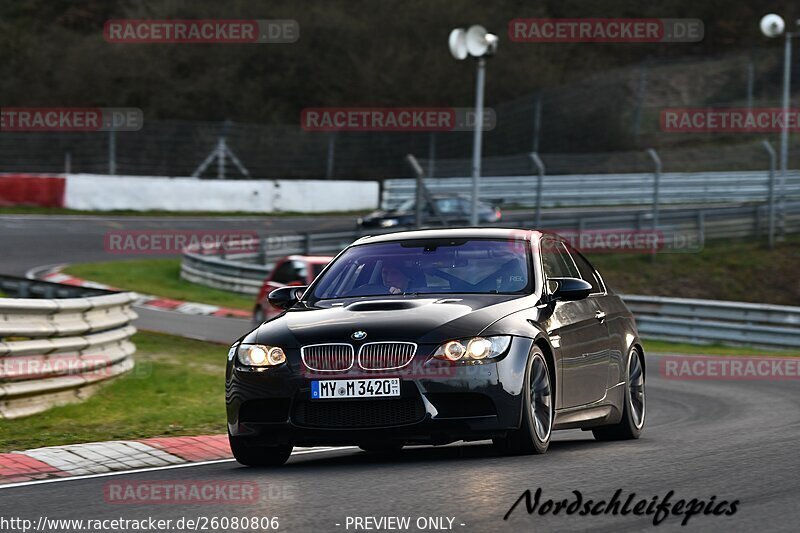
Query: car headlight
[
  {"x": 260, "y": 355},
  {"x": 473, "y": 349},
  {"x": 389, "y": 222}
]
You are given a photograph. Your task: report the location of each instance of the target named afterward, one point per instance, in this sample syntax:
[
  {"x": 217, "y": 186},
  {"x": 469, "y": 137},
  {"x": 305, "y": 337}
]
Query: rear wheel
[
  {"x": 250, "y": 453},
  {"x": 633, "y": 410},
  {"x": 533, "y": 436}
]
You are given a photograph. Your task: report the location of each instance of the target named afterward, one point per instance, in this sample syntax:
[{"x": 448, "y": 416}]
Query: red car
[{"x": 292, "y": 270}]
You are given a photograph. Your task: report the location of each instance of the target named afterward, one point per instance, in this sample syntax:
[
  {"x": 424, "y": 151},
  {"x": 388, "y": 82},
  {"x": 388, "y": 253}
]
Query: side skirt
[{"x": 607, "y": 410}]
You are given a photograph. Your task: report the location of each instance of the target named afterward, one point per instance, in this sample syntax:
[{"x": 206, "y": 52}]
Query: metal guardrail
[
  {"x": 604, "y": 189},
  {"x": 714, "y": 321},
  {"x": 245, "y": 272},
  {"x": 58, "y": 343}
]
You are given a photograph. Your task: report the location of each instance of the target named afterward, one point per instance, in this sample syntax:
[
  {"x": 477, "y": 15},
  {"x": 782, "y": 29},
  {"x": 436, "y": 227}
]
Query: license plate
[{"x": 355, "y": 388}]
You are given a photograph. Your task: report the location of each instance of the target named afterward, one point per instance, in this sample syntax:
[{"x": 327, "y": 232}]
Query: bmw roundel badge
[{"x": 359, "y": 335}]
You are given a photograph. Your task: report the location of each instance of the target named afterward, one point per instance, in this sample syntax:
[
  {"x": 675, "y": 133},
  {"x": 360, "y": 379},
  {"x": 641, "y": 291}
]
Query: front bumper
[{"x": 439, "y": 403}]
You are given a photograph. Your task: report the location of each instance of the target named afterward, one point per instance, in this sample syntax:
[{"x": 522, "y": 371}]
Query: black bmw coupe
[{"x": 435, "y": 336}]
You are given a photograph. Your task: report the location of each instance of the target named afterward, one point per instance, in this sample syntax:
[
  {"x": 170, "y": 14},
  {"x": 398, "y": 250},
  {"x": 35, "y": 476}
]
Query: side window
[
  {"x": 286, "y": 273},
  {"x": 447, "y": 206},
  {"x": 556, "y": 260},
  {"x": 587, "y": 271},
  {"x": 300, "y": 271}
]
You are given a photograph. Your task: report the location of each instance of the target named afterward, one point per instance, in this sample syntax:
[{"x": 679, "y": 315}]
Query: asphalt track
[
  {"x": 736, "y": 440},
  {"x": 733, "y": 440},
  {"x": 31, "y": 241}
]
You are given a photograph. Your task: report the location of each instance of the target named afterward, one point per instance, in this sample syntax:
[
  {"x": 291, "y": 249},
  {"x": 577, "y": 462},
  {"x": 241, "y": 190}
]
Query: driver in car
[{"x": 395, "y": 279}]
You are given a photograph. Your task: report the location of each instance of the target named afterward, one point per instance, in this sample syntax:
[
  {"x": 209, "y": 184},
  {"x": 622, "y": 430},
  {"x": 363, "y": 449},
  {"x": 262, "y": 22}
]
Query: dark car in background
[
  {"x": 452, "y": 211},
  {"x": 294, "y": 270},
  {"x": 429, "y": 337}
]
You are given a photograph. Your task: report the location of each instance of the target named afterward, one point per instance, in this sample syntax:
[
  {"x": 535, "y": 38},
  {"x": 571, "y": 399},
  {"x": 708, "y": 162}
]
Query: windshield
[
  {"x": 441, "y": 266},
  {"x": 407, "y": 205}
]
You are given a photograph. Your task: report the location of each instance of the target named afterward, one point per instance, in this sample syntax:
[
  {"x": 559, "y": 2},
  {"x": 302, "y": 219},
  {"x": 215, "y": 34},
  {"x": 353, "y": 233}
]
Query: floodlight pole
[
  {"x": 477, "y": 138},
  {"x": 787, "y": 75}
]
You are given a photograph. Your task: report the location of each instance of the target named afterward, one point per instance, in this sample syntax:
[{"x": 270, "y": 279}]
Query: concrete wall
[{"x": 103, "y": 193}]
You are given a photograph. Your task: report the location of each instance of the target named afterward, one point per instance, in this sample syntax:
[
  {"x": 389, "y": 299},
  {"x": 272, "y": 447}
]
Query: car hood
[{"x": 422, "y": 320}]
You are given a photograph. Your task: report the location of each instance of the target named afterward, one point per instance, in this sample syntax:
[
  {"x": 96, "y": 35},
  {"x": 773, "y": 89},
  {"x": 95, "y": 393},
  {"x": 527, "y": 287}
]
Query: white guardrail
[
  {"x": 59, "y": 347},
  {"x": 604, "y": 189},
  {"x": 715, "y": 321},
  {"x": 244, "y": 272}
]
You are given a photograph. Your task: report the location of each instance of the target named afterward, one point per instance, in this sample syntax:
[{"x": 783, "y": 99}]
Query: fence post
[
  {"x": 418, "y": 173},
  {"x": 537, "y": 122},
  {"x": 771, "y": 231},
  {"x": 262, "y": 252},
  {"x": 432, "y": 154},
  {"x": 112, "y": 152},
  {"x": 331, "y": 155},
  {"x": 537, "y": 162},
  {"x": 67, "y": 162},
  {"x": 656, "y": 189},
  {"x": 221, "y": 152},
  {"x": 701, "y": 226}
]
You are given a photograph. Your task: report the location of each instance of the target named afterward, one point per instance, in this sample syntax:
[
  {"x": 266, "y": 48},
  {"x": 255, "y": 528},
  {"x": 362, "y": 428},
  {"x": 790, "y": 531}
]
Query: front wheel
[
  {"x": 249, "y": 453},
  {"x": 633, "y": 410},
  {"x": 533, "y": 436}
]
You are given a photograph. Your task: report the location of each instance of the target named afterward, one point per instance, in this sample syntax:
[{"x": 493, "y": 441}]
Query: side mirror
[
  {"x": 285, "y": 297},
  {"x": 570, "y": 289}
]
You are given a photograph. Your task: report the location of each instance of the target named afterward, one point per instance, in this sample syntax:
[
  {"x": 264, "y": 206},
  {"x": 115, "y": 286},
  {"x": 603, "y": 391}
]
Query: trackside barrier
[
  {"x": 244, "y": 272},
  {"x": 714, "y": 321},
  {"x": 58, "y": 343},
  {"x": 604, "y": 189}
]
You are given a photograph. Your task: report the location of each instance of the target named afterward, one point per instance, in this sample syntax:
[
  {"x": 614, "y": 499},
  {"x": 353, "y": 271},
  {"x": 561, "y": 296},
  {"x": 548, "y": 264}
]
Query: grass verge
[
  {"x": 657, "y": 347},
  {"x": 159, "y": 277},
  {"x": 724, "y": 270},
  {"x": 177, "y": 388}
]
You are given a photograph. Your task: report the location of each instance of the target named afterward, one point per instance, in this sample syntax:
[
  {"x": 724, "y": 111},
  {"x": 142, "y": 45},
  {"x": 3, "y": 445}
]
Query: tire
[
  {"x": 633, "y": 416},
  {"x": 533, "y": 436},
  {"x": 249, "y": 453},
  {"x": 382, "y": 447}
]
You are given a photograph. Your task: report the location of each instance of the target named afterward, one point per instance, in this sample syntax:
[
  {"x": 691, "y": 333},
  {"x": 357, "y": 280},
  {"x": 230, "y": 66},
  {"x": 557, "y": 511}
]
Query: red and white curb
[
  {"x": 54, "y": 274},
  {"x": 102, "y": 457},
  {"x": 97, "y": 459}
]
